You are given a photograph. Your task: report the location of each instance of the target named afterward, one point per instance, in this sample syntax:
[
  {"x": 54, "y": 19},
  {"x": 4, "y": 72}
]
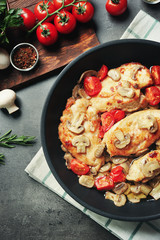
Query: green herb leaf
[
  {"x": 9, "y": 141},
  {"x": 8, "y": 19}
]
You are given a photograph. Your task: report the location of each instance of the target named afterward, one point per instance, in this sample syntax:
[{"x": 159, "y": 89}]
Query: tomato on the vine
[
  {"x": 29, "y": 18},
  {"x": 83, "y": 11},
  {"x": 58, "y": 4},
  {"x": 47, "y": 34},
  {"x": 40, "y": 10},
  {"x": 65, "y": 22},
  {"x": 116, "y": 7},
  {"x": 92, "y": 85}
]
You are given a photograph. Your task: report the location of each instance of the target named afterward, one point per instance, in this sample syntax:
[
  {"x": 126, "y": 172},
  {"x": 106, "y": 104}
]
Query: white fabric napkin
[{"x": 146, "y": 27}]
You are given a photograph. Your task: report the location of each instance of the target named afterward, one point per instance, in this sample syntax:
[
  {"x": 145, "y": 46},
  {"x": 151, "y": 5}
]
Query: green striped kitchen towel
[{"x": 146, "y": 27}]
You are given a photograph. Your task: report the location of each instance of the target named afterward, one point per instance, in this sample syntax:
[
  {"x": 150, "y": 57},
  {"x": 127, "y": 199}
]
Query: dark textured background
[{"x": 29, "y": 211}]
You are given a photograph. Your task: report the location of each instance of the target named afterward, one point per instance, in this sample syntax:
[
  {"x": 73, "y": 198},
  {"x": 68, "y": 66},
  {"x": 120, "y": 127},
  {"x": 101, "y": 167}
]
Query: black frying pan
[{"x": 112, "y": 54}]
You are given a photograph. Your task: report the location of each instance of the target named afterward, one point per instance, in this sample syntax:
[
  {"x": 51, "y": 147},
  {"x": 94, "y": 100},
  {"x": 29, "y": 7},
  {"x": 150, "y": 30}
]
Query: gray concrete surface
[{"x": 29, "y": 211}]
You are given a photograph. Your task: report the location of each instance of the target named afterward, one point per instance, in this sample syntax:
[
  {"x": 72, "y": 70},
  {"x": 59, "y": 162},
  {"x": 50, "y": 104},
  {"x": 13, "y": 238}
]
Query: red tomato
[
  {"x": 107, "y": 121},
  {"x": 117, "y": 174},
  {"x": 101, "y": 132},
  {"x": 92, "y": 85},
  {"x": 83, "y": 11},
  {"x": 155, "y": 71},
  {"x": 47, "y": 34},
  {"x": 152, "y": 95},
  {"x": 40, "y": 10},
  {"x": 65, "y": 22},
  {"x": 102, "y": 72},
  {"x": 104, "y": 183},
  {"x": 116, "y": 7},
  {"x": 79, "y": 167},
  {"x": 58, "y": 4},
  {"x": 29, "y": 18},
  {"x": 117, "y": 114}
]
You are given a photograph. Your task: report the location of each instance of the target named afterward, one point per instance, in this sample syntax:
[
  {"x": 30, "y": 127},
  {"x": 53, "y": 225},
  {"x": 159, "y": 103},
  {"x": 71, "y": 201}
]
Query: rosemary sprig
[{"x": 9, "y": 141}]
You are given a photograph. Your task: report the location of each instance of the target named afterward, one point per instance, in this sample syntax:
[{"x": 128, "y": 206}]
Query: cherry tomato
[
  {"x": 155, "y": 71},
  {"x": 83, "y": 11},
  {"x": 58, "y": 4},
  {"x": 152, "y": 95},
  {"x": 29, "y": 18},
  {"x": 40, "y": 10},
  {"x": 116, "y": 7},
  {"x": 104, "y": 183},
  {"x": 92, "y": 85},
  {"x": 107, "y": 121},
  {"x": 102, "y": 73},
  {"x": 65, "y": 22},
  {"x": 79, "y": 167},
  {"x": 47, "y": 34},
  {"x": 117, "y": 174},
  {"x": 117, "y": 114},
  {"x": 101, "y": 132}
]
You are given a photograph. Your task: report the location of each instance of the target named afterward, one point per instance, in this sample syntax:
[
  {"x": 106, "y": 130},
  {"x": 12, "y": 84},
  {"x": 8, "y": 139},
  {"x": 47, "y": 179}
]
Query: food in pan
[{"x": 110, "y": 132}]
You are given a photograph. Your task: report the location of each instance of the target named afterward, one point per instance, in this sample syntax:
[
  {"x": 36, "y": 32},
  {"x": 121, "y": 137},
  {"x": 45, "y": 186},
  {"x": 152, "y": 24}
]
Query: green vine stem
[{"x": 55, "y": 12}]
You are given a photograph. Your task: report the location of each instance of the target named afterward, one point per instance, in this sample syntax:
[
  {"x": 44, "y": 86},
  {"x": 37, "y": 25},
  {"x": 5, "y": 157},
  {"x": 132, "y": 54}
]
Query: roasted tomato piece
[
  {"x": 117, "y": 174},
  {"x": 79, "y": 167},
  {"x": 104, "y": 183},
  {"x": 155, "y": 71},
  {"x": 92, "y": 85},
  {"x": 102, "y": 73},
  {"x": 152, "y": 95},
  {"x": 117, "y": 114},
  {"x": 107, "y": 121}
]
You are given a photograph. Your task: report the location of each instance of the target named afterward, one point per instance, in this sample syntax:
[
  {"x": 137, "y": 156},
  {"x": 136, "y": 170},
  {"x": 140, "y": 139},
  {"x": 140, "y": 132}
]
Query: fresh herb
[
  {"x": 9, "y": 141},
  {"x": 8, "y": 19}
]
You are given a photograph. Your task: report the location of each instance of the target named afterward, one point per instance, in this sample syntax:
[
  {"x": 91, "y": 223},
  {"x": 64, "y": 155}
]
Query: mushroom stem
[{"x": 12, "y": 108}]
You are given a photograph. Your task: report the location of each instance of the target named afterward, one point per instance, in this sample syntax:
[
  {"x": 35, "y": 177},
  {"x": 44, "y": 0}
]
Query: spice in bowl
[{"x": 24, "y": 57}]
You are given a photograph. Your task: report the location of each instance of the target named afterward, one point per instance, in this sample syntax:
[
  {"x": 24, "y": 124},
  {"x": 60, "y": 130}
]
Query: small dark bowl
[{"x": 113, "y": 54}]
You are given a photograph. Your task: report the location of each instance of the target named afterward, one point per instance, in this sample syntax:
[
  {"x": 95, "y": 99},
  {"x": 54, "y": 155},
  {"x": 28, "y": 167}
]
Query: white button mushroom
[
  {"x": 4, "y": 59},
  {"x": 7, "y": 99}
]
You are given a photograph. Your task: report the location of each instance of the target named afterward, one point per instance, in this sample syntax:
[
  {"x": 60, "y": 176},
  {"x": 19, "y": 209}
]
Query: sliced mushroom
[
  {"x": 128, "y": 189},
  {"x": 145, "y": 189},
  {"x": 123, "y": 140},
  {"x": 87, "y": 181},
  {"x": 118, "y": 160},
  {"x": 150, "y": 168},
  {"x": 155, "y": 181},
  {"x": 149, "y": 122},
  {"x": 99, "y": 150},
  {"x": 155, "y": 193},
  {"x": 76, "y": 125},
  {"x": 126, "y": 84},
  {"x": 114, "y": 74},
  {"x": 83, "y": 94},
  {"x": 136, "y": 189},
  {"x": 135, "y": 198},
  {"x": 126, "y": 166},
  {"x": 120, "y": 188},
  {"x": 68, "y": 157},
  {"x": 105, "y": 168},
  {"x": 120, "y": 200},
  {"x": 75, "y": 91},
  {"x": 87, "y": 74},
  {"x": 81, "y": 142},
  {"x": 126, "y": 92},
  {"x": 109, "y": 195},
  {"x": 135, "y": 70},
  {"x": 63, "y": 148},
  {"x": 93, "y": 170}
]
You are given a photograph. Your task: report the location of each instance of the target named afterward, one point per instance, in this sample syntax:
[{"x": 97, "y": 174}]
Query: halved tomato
[
  {"x": 79, "y": 167},
  {"x": 107, "y": 120},
  {"x": 104, "y": 183},
  {"x": 92, "y": 85},
  {"x": 102, "y": 73},
  {"x": 155, "y": 71}
]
